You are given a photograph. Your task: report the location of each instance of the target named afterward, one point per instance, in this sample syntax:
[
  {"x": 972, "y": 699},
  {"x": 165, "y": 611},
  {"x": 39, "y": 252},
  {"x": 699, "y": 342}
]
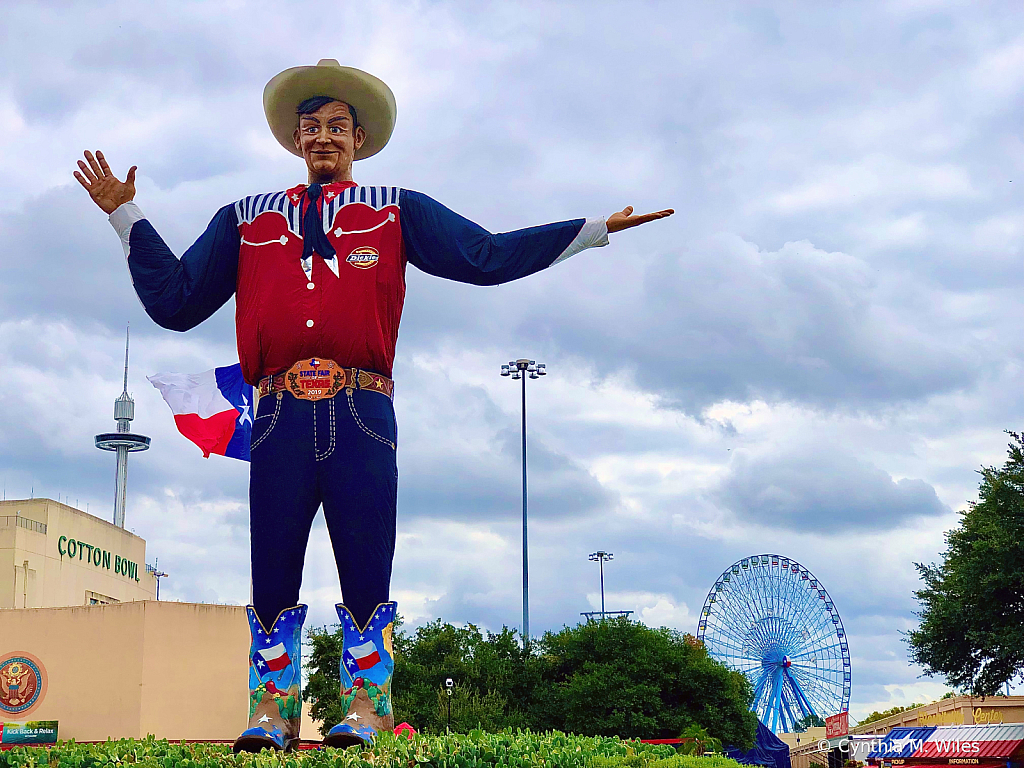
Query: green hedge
[{"x": 476, "y": 749}]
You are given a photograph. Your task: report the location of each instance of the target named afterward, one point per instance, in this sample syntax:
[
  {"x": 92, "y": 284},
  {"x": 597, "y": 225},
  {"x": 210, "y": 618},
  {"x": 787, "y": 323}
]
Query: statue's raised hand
[
  {"x": 103, "y": 187},
  {"x": 624, "y": 218}
]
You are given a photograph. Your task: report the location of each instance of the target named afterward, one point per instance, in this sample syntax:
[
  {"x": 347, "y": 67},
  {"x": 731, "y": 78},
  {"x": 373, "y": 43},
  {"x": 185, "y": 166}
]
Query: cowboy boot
[
  {"x": 275, "y": 683},
  {"x": 367, "y": 664}
]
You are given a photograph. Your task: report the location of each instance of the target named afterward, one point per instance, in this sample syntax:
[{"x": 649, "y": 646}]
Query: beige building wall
[
  {"x": 803, "y": 755},
  {"x": 956, "y": 710},
  {"x": 810, "y": 736},
  {"x": 176, "y": 670},
  {"x": 52, "y": 555}
]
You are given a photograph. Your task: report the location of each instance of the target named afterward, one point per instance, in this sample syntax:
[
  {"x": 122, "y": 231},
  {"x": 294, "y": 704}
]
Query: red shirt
[
  {"x": 283, "y": 315},
  {"x": 345, "y": 308}
]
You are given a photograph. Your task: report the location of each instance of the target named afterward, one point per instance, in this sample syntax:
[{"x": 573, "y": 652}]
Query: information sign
[{"x": 31, "y": 732}]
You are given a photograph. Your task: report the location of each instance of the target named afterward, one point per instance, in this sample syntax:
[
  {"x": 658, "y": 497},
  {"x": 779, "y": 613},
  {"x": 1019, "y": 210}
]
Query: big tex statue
[{"x": 318, "y": 274}]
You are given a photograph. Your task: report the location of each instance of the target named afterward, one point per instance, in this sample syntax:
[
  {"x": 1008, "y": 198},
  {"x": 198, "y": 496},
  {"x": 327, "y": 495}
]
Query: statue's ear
[
  {"x": 360, "y": 136},
  {"x": 295, "y": 138}
]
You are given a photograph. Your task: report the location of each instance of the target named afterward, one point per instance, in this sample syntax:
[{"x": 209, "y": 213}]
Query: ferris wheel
[{"x": 769, "y": 618}]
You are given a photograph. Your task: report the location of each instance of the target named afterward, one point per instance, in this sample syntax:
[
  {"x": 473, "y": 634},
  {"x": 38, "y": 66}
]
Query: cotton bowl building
[
  {"x": 84, "y": 642},
  {"x": 53, "y": 555}
]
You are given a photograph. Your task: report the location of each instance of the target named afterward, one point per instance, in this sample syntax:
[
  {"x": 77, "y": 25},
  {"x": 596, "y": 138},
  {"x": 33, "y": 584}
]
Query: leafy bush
[
  {"x": 494, "y": 678},
  {"x": 608, "y": 678},
  {"x": 470, "y": 709},
  {"x": 648, "y": 760},
  {"x": 508, "y": 749},
  {"x": 619, "y": 677}
]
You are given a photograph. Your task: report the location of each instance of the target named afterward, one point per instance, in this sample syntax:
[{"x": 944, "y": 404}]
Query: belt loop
[{"x": 359, "y": 384}]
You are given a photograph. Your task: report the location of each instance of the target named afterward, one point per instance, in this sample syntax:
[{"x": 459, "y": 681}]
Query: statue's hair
[{"x": 313, "y": 103}]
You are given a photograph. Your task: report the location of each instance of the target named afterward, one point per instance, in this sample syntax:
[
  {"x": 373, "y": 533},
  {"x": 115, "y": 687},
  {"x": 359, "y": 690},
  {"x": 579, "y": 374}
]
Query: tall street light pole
[
  {"x": 601, "y": 557},
  {"x": 521, "y": 369}
]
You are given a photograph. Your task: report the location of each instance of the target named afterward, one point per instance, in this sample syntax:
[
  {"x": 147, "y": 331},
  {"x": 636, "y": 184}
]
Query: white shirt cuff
[
  {"x": 122, "y": 220},
  {"x": 594, "y": 234}
]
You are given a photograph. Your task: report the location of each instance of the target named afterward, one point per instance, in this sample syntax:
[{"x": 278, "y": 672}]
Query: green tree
[
  {"x": 972, "y": 604},
  {"x": 618, "y": 677},
  {"x": 811, "y": 721},
  {"x": 876, "y": 715},
  {"x": 323, "y": 679},
  {"x": 615, "y": 678},
  {"x": 493, "y": 677},
  {"x": 493, "y": 667}
]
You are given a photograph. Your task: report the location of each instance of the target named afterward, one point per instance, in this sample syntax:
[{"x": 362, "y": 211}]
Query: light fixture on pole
[
  {"x": 157, "y": 574},
  {"x": 523, "y": 369},
  {"x": 448, "y": 685},
  {"x": 601, "y": 557}
]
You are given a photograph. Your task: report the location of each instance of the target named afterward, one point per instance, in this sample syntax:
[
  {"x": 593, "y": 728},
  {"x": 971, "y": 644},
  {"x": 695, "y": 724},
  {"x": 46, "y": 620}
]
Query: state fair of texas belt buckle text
[{"x": 315, "y": 379}]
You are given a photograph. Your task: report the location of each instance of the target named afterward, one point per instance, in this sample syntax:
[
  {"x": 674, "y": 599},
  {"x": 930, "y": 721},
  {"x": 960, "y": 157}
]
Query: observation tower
[{"x": 123, "y": 441}]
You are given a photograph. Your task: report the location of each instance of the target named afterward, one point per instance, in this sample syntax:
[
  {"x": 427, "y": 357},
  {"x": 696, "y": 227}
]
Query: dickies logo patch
[{"x": 363, "y": 257}]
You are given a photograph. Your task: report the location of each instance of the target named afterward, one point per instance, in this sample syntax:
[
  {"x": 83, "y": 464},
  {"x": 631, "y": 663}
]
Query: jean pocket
[
  {"x": 264, "y": 423},
  {"x": 378, "y": 425}
]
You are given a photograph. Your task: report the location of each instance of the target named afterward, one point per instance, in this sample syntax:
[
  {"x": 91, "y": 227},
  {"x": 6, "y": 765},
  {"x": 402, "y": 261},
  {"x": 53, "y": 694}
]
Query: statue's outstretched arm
[
  {"x": 177, "y": 294},
  {"x": 443, "y": 243}
]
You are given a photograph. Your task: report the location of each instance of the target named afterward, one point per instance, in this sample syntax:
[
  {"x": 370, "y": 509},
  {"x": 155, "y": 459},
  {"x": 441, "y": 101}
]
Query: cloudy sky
[{"x": 812, "y": 357}]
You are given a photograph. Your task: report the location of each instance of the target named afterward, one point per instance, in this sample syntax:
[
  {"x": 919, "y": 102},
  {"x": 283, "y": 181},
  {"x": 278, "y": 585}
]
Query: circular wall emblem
[
  {"x": 363, "y": 257},
  {"x": 22, "y": 683}
]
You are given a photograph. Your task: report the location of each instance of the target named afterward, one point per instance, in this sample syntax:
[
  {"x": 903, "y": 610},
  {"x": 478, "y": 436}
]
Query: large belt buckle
[{"x": 315, "y": 379}]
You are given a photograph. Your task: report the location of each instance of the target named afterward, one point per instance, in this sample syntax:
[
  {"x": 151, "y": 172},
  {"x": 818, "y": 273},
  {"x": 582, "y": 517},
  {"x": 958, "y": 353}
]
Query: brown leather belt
[{"x": 318, "y": 379}]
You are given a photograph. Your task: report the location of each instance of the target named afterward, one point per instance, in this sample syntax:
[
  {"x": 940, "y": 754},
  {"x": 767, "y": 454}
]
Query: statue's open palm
[
  {"x": 103, "y": 187},
  {"x": 625, "y": 219}
]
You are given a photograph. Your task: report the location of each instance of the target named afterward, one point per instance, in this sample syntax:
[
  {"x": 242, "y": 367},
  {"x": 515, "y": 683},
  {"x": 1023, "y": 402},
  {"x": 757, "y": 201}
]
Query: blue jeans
[{"x": 338, "y": 452}]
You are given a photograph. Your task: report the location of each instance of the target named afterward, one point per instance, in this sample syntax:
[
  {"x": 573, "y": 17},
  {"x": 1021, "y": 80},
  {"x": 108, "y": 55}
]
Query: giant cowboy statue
[{"x": 318, "y": 274}]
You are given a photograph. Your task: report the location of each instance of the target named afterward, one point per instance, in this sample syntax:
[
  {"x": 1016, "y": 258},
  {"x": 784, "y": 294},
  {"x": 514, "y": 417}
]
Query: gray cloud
[
  {"x": 487, "y": 486},
  {"x": 727, "y": 320},
  {"x": 823, "y": 488}
]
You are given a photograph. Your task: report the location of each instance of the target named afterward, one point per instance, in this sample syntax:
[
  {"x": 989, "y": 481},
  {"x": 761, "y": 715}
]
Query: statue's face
[{"x": 328, "y": 142}]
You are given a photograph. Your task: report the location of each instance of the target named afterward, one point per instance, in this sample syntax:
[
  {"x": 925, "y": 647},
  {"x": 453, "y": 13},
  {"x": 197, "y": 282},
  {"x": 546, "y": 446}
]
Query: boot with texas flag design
[
  {"x": 275, "y": 682},
  {"x": 367, "y": 664}
]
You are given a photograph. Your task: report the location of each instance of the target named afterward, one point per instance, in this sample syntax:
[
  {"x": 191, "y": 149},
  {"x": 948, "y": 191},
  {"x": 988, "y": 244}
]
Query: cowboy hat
[{"x": 372, "y": 99}]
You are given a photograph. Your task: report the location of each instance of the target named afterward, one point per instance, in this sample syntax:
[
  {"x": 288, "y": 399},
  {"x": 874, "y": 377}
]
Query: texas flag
[
  {"x": 272, "y": 659},
  {"x": 212, "y": 409},
  {"x": 362, "y": 657}
]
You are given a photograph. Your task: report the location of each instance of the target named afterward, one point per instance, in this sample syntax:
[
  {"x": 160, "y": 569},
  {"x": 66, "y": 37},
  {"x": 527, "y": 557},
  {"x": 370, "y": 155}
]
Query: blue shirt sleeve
[
  {"x": 442, "y": 243},
  {"x": 180, "y": 294}
]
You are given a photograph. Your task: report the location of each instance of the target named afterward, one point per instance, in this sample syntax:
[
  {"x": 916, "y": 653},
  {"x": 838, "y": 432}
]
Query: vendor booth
[{"x": 981, "y": 746}]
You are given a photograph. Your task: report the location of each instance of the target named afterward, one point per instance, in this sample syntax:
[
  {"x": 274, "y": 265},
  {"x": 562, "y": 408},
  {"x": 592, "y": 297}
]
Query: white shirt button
[
  {"x": 309, "y": 323},
  {"x": 311, "y": 286}
]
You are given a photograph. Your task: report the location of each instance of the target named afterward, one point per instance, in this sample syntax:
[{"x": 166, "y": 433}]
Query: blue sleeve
[
  {"x": 180, "y": 294},
  {"x": 442, "y": 243}
]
